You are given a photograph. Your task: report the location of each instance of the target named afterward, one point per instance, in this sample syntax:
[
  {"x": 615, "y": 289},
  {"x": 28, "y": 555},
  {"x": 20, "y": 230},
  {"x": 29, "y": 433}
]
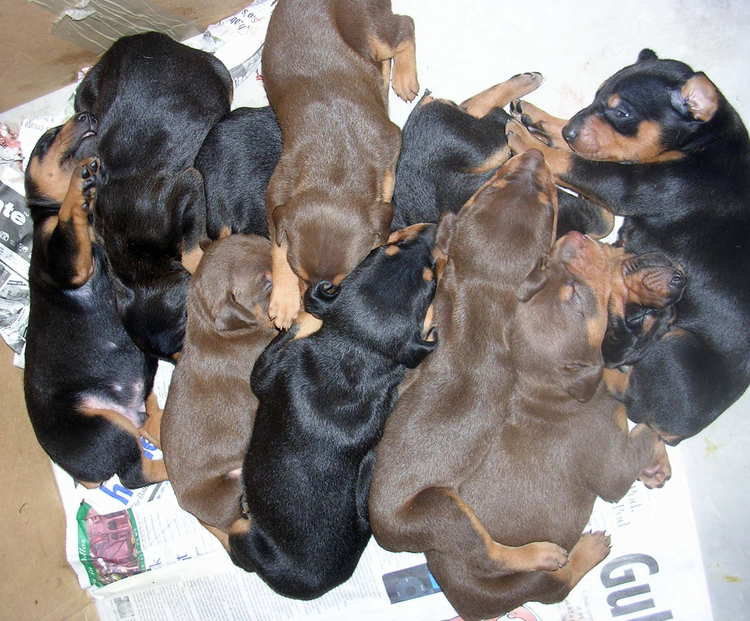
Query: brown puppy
[
  {"x": 326, "y": 69},
  {"x": 472, "y": 472},
  {"x": 208, "y": 417}
]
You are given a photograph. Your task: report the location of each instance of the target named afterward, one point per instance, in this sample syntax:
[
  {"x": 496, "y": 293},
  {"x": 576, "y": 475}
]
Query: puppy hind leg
[
  {"x": 501, "y": 94},
  {"x": 589, "y": 551},
  {"x": 377, "y": 34}
]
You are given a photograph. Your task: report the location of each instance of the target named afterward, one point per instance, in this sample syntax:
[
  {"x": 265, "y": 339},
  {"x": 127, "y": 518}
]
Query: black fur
[
  {"x": 156, "y": 101},
  {"x": 76, "y": 346},
  {"x": 694, "y": 210},
  {"x": 236, "y": 161},
  {"x": 323, "y": 402},
  {"x": 441, "y": 143}
]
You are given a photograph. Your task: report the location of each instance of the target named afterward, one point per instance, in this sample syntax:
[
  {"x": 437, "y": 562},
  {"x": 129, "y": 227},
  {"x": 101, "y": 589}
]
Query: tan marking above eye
[
  {"x": 613, "y": 101},
  {"x": 427, "y": 274},
  {"x": 392, "y": 249}
]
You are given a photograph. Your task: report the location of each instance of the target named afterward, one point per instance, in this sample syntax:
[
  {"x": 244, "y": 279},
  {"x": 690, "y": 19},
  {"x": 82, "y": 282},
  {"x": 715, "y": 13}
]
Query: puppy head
[
  {"x": 385, "y": 301},
  {"x": 509, "y": 223},
  {"x": 562, "y": 318},
  {"x": 641, "y": 309},
  {"x": 232, "y": 285},
  {"x": 654, "y": 110},
  {"x": 54, "y": 158},
  {"x": 326, "y": 242}
]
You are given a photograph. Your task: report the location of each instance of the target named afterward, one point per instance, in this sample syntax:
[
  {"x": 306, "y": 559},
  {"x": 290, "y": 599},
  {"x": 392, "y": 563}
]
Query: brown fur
[
  {"x": 470, "y": 473},
  {"x": 209, "y": 414},
  {"x": 329, "y": 197}
]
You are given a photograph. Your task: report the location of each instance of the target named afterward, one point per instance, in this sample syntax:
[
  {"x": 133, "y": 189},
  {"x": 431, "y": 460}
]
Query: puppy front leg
[
  {"x": 285, "y": 302},
  {"x": 543, "y": 126},
  {"x": 68, "y": 248},
  {"x": 636, "y": 453},
  {"x": 499, "y": 95}
]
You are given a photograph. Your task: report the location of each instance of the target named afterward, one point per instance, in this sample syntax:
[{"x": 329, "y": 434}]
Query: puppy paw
[
  {"x": 592, "y": 548},
  {"x": 519, "y": 138},
  {"x": 283, "y": 310},
  {"x": 405, "y": 84},
  {"x": 525, "y": 83},
  {"x": 90, "y": 173},
  {"x": 548, "y": 556},
  {"x": 659, "y": 472}
]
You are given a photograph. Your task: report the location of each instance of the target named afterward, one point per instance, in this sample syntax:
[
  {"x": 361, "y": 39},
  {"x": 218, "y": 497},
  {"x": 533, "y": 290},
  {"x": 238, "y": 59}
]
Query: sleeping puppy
[
  {"x": 87, "y": 386},
  {"x": 326, "y": 69},
  {"x": 236, "y": 161},
  {"x": 156, "y": 100},
  {"x": 325, "y": 388},
  {"x": 501, "y": 441},
  {"x": 208, "y": 417}
]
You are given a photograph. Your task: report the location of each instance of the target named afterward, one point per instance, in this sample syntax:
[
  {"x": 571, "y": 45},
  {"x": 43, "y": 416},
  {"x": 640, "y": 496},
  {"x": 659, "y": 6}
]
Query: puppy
[
  {"x": 449, "y": 151},
  {"x": 87, "y": 386},
  {"x": 661, "y": 146},
  {"x": 156, "y": 100},
  {"x": 236, "y": 161},
  {"x": 326, "y": 69},
  {"x": 521, "y": 435},
  {"x": 325, "y": 388}
]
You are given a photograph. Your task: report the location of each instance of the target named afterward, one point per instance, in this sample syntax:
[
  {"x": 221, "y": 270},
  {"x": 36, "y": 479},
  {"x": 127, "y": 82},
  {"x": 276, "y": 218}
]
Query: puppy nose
[{"x": 570, "y": 133}]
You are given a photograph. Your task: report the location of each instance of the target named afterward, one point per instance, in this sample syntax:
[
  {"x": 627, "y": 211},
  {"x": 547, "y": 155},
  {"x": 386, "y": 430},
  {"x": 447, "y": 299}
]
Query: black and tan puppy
[
  {"x": 326, "y": 69},
  {"x": 156, "y": 100},
  {"x": 325, "y": 388},
  {"x": 209, "y": 414},
  {"x": 236, "y": 161},
  {"x": 661, "y": 146},
  {"x": 449, "y": 151},
  {"x": 87, "y": 386},
  {"x": 493, "y": 475}
]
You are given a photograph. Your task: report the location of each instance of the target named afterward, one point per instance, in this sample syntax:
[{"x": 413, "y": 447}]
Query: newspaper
[
  {"x": 147, "y": 560},
  {"x": 237, "y": 41}
]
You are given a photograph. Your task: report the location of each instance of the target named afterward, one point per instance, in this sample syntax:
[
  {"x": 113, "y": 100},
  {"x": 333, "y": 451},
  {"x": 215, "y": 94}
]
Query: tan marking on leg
[
  {"x": 307, "y": 324},
  {"x": 590, "y": 550},
  {"x": 153, "y": 470},
  {"x": 74, "y": 213},
  {"x": 530, "y": 557},
  {"x": 285, "y": 297},
  {"x": 405, "y": 234},
  {"x": 224, "y": 231},
  {"x": 501, "y": 94},
  {"x": 192, "y": 258},
  {"x": 152, "y": 426},
  {"x": 497, "y": 159}
]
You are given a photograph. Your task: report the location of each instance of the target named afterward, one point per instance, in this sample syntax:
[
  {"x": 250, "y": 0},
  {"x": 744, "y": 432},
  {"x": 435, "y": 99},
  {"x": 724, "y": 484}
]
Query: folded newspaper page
[{"x": 144, "y": 559}]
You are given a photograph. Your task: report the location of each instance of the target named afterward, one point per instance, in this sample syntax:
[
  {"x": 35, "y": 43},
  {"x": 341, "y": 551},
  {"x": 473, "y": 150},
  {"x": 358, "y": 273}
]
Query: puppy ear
[
  {"x": 582, "y": 379},
  {"x": 646, "y": 54},
  {"x": 697, "y": 99},
  {"x": 320, "y": 298},
  {"x": 446, "y": 226},
  {"x": 186, "y": 203},
  {"x": 415, "y": 350},
  {"x": 231, "y": 315},
  {"x": 534, "y": 282}
]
